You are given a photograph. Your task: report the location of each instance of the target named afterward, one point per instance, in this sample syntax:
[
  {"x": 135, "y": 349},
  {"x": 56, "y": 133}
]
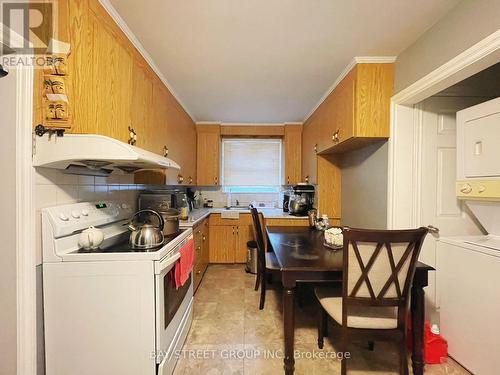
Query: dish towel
[{"x": 184, "y": 265}]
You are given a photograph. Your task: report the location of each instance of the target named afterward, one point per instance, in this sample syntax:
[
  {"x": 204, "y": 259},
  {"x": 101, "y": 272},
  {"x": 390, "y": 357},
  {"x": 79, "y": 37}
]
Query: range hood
[{"x": 94, "y": 155}]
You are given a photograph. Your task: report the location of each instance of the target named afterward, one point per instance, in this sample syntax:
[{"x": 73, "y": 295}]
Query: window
[{"x": 251, "y": 165}]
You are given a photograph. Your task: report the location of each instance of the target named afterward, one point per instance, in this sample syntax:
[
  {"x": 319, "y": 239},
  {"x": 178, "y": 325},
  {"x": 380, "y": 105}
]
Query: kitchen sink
[{"x": 238, "y": 208}]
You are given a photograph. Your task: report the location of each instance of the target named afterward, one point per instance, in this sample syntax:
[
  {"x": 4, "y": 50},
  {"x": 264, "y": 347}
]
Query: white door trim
[
  {"x": 404, "y": 168},
  {"x": 25, "y": 227}
]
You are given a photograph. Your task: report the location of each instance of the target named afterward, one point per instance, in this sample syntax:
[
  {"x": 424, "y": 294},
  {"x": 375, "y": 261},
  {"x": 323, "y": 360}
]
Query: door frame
[
  {"x": 405, "y": 144},
  {"x": 26, "y": 347},
  {"x": 25, "y": 227}
]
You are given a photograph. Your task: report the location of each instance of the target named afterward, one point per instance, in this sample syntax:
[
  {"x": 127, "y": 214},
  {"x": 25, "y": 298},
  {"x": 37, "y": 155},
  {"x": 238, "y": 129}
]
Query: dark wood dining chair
[
  {"x": 378, "y": 270},
  {"x": 266, "y": 261}
]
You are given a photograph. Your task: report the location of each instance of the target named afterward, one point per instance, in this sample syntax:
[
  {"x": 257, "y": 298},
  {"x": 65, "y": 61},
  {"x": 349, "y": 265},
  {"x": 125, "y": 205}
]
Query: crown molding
[
  {"x": 137, "y": 44},
  {"x": 208, "y": 123},
  {"x": 375, "y": 59},
  {"x": 345, "y": 71}
]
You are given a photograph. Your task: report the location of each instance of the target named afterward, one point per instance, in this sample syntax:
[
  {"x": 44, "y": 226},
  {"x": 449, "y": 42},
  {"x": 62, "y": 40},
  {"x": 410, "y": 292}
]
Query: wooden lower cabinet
[
  {"x": 245, "y": 234},
  {"x": 229, "y": 237},
  {"x": 201, "y": 251},
  {"x": 223, "y": 241}
]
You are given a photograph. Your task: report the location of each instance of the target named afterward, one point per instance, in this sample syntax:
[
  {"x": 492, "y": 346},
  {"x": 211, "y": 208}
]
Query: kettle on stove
[{"x": 145, "y": 235}]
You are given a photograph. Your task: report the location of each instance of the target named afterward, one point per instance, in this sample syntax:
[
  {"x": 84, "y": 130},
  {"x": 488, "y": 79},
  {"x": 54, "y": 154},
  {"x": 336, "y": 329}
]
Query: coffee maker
[{"x": 302, "y": 200}]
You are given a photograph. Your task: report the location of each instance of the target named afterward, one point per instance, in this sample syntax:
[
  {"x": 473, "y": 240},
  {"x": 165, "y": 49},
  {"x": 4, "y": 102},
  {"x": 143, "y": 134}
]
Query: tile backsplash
[{"x": 53, "y": 188}]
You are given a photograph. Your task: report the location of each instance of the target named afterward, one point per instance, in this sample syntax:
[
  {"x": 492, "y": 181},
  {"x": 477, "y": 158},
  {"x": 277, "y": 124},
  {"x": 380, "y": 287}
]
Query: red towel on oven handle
[{"x": 184, "y": 265}]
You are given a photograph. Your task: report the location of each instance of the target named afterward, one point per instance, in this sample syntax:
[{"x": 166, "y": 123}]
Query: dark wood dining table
[{"x": 303, "y": 258}]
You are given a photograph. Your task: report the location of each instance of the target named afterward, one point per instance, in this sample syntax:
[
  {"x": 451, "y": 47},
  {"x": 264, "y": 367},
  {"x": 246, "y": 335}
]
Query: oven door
[{"x": 171, "y": 305}]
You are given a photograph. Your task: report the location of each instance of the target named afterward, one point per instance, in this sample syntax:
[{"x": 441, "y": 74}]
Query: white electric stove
[{"x": 113, "y": 310}]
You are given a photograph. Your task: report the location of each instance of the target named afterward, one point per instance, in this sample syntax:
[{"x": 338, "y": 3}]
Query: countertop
[{"x": 198, "y": 214}]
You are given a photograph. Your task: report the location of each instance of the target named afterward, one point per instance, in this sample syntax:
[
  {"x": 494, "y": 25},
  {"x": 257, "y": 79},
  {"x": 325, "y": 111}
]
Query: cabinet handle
[
  {"x": 165, "y": 151},
  {"x": 216, "y": 180},
  {"x": 190, "y": 179},
  {"x": 198, "y": 272},
  {"x": 316, "y": 148},
  {"x": 306, "y": 178},
  {"x": 180, "y": 179},
  {"x": 198, "y": 248},
  {"x": 132, "y": 136},
  {"x": 204, "y": 238},
  {"x": 335, "y": 136},
  {"x": 288, "y": 180}
]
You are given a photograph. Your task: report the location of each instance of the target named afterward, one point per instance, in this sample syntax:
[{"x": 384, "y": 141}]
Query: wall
[
  {"x": 8, "y": 267},
  {"x": 364, "y": 187},
  {"x": 52, "y": 188},
  {"x": 466, "y": 24}
]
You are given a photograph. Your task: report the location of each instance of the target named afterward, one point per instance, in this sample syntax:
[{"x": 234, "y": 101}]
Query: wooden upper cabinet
[
  {"x": 141, "y": 117},
  {"x": 293, "y": 154},
  {"x": 112, "y": 68},
  {"x": 181, "y": 144},
  {"x": 357, "y": 111},
  {"x": 111, "y": 87},
  {"x": 310, "y": 138},
  {"x": 208, "y": 155}
]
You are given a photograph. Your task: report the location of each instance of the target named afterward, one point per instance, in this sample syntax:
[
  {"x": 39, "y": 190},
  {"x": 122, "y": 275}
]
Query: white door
[{"x": 438, "y": 204}]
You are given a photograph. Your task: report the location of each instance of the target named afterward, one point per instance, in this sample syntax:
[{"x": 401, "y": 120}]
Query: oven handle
[{"x": 161, "y": 266}]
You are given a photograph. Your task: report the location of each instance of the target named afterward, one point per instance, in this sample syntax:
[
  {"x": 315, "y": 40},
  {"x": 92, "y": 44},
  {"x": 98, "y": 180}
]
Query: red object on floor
[
  {"x": 435, "y": 346},
  {"x": 184, "y": 265}
]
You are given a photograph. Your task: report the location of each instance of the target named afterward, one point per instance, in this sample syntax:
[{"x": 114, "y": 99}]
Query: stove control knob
[
  {"x": 63, "y": 217},
  {"x": 85, "y": 213},
  {"x": 75, "y": 214},
  {"x": 125, "y": 206},
  {"x": 466, "y": 189},
  {"x": 481, "y": 189}
]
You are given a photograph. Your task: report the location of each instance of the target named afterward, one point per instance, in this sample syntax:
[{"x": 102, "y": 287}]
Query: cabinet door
[
  {"x": 181, "y": 144},
  {"x": 160, "y": 115},
  {"x": 245, "y": 234},
  {"x": 344, "y": 107},
  {"x": 140, "y": 109},
  {"x": 309, "y": 147},
  {"x": 293, "y": 154},
  {"x": 222, "y": 244},
  {"x": 111, "y": 81},
  {"x": 208, "y": 155}
]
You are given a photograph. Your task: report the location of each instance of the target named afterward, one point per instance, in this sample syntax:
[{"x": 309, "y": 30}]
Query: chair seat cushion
[
  {"x": 366, "y": 317},
  {"x": 272, "y": 262}
]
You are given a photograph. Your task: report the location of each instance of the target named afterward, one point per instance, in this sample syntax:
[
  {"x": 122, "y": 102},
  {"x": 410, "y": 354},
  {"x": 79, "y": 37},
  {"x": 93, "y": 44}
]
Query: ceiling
[{"x": 268, "y": 60}]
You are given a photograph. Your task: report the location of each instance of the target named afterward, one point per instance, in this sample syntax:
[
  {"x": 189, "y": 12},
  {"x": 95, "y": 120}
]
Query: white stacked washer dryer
[
  {"x": 113, "y": 310},
  {"x": 469, "y": 266}
]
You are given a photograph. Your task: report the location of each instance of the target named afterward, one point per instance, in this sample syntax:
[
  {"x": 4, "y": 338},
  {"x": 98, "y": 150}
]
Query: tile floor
[{"x": 229, "y": 334}]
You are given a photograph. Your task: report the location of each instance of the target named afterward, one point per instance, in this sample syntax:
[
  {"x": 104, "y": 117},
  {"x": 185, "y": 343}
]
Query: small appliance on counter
[
  {"x": 170, "y": 204},
  {"x": 302, "y": 200}
]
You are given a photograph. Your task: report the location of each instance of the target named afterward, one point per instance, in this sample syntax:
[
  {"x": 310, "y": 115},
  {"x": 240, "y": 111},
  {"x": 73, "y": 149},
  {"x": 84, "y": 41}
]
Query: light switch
[{"x": 478, "y": 148}]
